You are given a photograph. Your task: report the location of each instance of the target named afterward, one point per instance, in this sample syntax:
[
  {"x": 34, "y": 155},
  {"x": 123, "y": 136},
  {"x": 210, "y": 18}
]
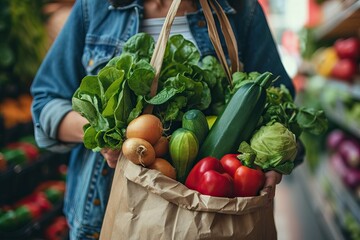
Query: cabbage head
[{"x": 275, "y": 148}]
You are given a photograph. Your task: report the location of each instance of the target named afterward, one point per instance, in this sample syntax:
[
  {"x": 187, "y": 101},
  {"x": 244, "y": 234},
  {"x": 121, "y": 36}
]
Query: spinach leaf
[
  {"x": 90, "y": 112},
  {"x": 181, "y": 50},
  {"x": 140, "y": 81},
  {"x": 125, "y": 63},
  {"x": 135, "y": 112},
  {"x": 141, "y": 45},
  {"x": 124, "y": 107},
  {"x": 111, "y": 97},
  {"x": 89, "y": 137},
  {"x": 172, "y": 69},
  {"x": 173, "y": 108},
  {"x": 107, "y": 75},
  {"x": 214, "y": 68},
  {"x": 205, "y": 99},
  {"x": 113, "y": 138},
  {"x": 91, "y": 85},
  {"x": 170, "y": 90}
]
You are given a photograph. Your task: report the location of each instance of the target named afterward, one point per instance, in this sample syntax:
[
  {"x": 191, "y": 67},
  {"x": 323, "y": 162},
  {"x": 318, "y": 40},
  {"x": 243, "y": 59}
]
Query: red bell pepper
[
  {"x": 57, "y": 230},
  {"x": 230, "y": 163},
  {"x": 38, "y": 198},
  {"x": 248, "y": 181},
  {"x": 30, "y": 150},
  {"x": 34, "y": 210},
  {"x": 3, "y": 163},
  {"x": 248, "y": 178},
  {"x": 208, "y": 178}
]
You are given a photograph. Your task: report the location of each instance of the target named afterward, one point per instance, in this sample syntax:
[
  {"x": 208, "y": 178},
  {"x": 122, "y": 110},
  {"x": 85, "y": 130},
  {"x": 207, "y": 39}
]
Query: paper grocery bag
[{"x": 145, "y": 204}]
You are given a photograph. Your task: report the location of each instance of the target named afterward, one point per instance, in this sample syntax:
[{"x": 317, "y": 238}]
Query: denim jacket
[{"x": 93, "y": 34}]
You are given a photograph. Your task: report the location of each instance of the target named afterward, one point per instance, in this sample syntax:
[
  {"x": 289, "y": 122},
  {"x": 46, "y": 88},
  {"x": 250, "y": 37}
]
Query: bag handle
[
  {"x": 228, "y": 33},
  {"x": 159, "y": 51}
]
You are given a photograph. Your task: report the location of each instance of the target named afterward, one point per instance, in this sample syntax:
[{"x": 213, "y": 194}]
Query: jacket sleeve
[
  {"x": 57, "y": 79},
  {"x": 259, "y": 50}
]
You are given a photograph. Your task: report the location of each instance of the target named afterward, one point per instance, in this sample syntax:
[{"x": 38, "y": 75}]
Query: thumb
[{"x": 271, "y": 179}]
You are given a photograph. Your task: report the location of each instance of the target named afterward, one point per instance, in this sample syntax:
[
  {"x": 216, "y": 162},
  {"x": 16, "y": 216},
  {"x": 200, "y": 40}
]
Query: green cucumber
[
  {"x": 183, "y": 149},
  {"x": 195, "y": 121},
  {"x": 239, "y": 119}
]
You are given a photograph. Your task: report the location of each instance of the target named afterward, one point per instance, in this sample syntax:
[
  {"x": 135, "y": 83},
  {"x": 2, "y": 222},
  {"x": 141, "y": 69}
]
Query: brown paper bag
[{"x": 145, "y": 204}]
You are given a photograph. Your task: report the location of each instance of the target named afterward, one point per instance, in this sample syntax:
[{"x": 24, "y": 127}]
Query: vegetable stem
[
  {"x": 264, "y": 80},
  {"x": 140, "y": 151},
  {"x": 247, "y": 155}
]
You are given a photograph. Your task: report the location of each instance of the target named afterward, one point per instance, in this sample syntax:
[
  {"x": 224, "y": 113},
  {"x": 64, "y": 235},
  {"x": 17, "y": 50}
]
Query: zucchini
[
  {"x": 239, "y": 119},
  {"x": 195, "y": 121},
  {"x": 183, "y": 149}
]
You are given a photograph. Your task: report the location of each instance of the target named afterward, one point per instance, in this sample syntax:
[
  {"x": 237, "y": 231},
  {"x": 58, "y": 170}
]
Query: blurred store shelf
[{"x": 296, "y": 215}]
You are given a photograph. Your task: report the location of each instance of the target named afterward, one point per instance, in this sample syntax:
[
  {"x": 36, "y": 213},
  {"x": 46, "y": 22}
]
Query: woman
[{"x": 94, "y": 33}]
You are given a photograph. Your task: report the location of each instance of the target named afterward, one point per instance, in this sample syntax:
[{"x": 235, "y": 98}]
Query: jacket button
[
  {"x": 201, "y": 23},
  {"x": 96, "y": 235},
  {"x": 96, "y": 202},
  {"x": 104, "y": 172}
]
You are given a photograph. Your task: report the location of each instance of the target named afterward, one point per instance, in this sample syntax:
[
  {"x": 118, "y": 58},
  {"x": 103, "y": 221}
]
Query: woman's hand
[
  {"x": 272, "y": 178},
  {"x": 111, "y": 156}
]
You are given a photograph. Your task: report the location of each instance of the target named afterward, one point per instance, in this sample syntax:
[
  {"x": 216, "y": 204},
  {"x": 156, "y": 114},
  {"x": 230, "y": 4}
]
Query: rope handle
[
  {"x": 230, "y": 40},
  {"x": 228, "y": 33},
  {"x": 159, "y": 51}
]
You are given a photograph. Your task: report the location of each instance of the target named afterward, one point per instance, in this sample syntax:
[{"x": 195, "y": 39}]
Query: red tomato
[
  {"x": 230, "y": 163},
  {"x": 248, "y": 181}
]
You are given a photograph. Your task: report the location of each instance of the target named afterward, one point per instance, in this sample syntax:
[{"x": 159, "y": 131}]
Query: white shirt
[{"x": 180, "y": 25}]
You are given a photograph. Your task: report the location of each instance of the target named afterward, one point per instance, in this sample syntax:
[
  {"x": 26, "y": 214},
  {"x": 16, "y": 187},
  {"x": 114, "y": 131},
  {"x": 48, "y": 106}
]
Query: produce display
[
  {"x": 255, "y": 126},
  {"x": 32, "y": 207},
  {"x": 32, "y": 188},
  {"x": 339, "y": 61},
  {"x": 345, "y": 157},
  {"x": 16, "y": 111},
  {"x": 21, "y": 152}
]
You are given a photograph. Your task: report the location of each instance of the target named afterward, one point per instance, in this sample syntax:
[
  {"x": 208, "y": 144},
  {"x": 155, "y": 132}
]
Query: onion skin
[
  {"x": 147, "y": 127},
  {"x": 139, "y": 151},
  {"x": 164, "y": 167},
  {"x": 161, "y": 147}
]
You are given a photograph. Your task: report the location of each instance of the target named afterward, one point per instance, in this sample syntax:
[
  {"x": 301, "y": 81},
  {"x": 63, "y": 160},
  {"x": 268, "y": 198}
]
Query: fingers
[
  {"x": 111, "y": 156},
  {"x": 272, "y": 178}
]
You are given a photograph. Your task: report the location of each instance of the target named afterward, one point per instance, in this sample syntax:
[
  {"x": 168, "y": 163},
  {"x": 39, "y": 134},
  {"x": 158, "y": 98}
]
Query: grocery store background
[{"x": 319, "y": 44}]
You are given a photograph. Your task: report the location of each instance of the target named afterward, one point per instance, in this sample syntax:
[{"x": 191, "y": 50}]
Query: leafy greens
[
  {"x": 121, "y": 90},
  {"x": 273, "y": 145}
]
